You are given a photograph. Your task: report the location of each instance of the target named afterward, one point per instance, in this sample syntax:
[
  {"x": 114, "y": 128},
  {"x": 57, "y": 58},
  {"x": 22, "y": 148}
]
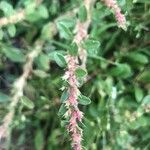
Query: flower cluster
[
  {"x": 121, "y": 20},
  {"x": 73, "y": 112},
  {"x": 80, "y": 36}
]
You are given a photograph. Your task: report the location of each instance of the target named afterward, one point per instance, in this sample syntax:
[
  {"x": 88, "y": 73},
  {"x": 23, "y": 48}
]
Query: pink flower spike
[
  {"x": 79, "y": 115},
  {"x": 121, "y": 20}
]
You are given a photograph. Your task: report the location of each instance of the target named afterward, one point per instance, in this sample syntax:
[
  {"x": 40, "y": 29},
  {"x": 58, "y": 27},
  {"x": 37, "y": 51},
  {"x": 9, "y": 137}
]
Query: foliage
[{"x": 115, "y": 96}]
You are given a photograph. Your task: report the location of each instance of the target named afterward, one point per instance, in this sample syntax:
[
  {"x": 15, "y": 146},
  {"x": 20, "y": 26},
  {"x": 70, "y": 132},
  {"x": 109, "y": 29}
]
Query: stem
[
  {"x": 73, "y": 113},
  {"x": 18, "y": 92}
]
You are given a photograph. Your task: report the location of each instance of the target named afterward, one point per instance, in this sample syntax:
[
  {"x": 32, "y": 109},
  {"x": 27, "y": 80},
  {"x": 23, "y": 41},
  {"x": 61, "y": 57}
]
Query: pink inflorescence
[
  {"x": 73, "y": 112},
  {"x": 121, "y": 20},
  {"x": 73, "y": 128}
]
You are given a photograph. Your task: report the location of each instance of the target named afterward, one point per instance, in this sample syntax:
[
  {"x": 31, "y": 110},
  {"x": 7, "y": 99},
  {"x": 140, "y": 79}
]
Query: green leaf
[
  {"x": 139, "y": 122},
  {"x": 33, "y": 14},
  {"x": 83, "y": 100},
  {"x": 42, "y": 11},
  {"x": 48, "y": 31},
  {"x": 40, "y": 73},
  {"x": 1, "y": 34},
  {"x": 82, "y": 13},
  {"x": 60, "y": 60},
  {"x": 43, "y": 61},
  {"x": 27, "y": 102},
  {"x": 73, "y": 50},
  {"x": 68, "y": 22},
  {"x": 4, "y": 97},
  {"x": 63, "y": 123},
  {"x": 91, "y": 46},
  {"x": 64, "y": 31},
  {"x": 11, "y": 30},
  {"x": 39, "y": 139},
  {"x": 33, "y": 17},
  {"x": 80, "y": 73},
  {"x": 146, "y": 100},
  {"x": 13, "y": 54},
  {"x": 144, "y": 76},
  {"x": 6, "y": 8},
  {"x": 138, "y": 93},
  {"x": 29, "y": 7},
  {"x": 64, "y": 96},
  {"x": 121, "y": 71},
  {"x": 137, "y": 57},
  {"x": 62, "y": 110},
  {"x": 143, "y": 1}
]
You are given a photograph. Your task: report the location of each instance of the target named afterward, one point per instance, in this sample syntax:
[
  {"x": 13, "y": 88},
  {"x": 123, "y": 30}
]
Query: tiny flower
[{"x": 79, "y": 115}]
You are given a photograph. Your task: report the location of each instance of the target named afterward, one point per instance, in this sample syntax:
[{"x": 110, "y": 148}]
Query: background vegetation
[{"x": 118, "y": 75}]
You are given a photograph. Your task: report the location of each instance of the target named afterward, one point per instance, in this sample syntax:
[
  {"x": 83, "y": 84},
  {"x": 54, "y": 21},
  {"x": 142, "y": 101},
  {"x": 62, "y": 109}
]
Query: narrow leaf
[
  {"x": 27, "y": 102},
  {"x": 64, "y": 31},
  {"x": 14, "y": 54},
  {"x": 80, "y": 73},
  {"x": 82, "y": 13},
  {"x": 73, "y": 50},
  {"x": 60, "y": 60},
  {"x": 84, "y": 100},
  {"x": 4, "y": 97},
  {"x": 62, "y": 110},
  {"x": 91, "y": 46},
  {"x": 138, "y": 94},
  {"x": 64, "y": 96}
]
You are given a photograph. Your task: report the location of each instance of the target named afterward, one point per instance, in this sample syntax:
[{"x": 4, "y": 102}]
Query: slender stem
[
  {"x": 18, "y": 92},
  {"x": 73, "y": 112}
]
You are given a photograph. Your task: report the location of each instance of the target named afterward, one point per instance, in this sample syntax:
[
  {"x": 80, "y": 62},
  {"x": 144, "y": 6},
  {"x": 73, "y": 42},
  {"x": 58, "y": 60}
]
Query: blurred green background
[{"x": 118, "y": 75}]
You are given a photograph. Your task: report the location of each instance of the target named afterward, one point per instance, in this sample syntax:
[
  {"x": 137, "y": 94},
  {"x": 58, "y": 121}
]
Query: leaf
[
  {"x": 139, "y": 122},
  {"x": 37, "y": 14},
  {"x": 91, "y": 46},
  {"x": 146, "y": 100},
  {"x": 64, "y": 96},
  {"x": 63, "y": 123},
  {"x": 39, "y": 139},
  {"x": 138, "y": 93},
  {"x": 138, "y": 57},
  {"x": 60, "y": 60},
  {"x": 80, "y": 73},
  {"x": 121, "y": 71},
  {"x": 29, "y": 7},
  {"x": 43, "y": 62},
  {"x": 42, "y": 11},
  {"x": 1, "y": 34},
  {"x": 27, "y": 102},
  {"x": 144, "y": 76},
  {"x": 11, "y": 30},
  {"x": 4, "y": 97},
  {"x": 13, "y": 54},
  {"x": 48, "y": 31},
  {"x": 6, "y": 8},
  {"x": 83, "y": 100},
  {"x": 73, "y": 50},
  {"x": 82, "y": 13},
  {"x": 62, "y": 110},
  {"x": 40, "y": 73},
  {"x": 64, "y": 31},
  {"x": 68, "y": 22}
]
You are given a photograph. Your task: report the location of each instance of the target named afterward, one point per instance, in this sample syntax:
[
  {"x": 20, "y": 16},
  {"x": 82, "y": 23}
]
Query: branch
[
  {"x": 73, "y": 113},
  {"x": 82, "y": 32},
  {"x": 19, "y": 16},
  {"x": 120, "y": 18},
  {"x": 18, "y": 91}
]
